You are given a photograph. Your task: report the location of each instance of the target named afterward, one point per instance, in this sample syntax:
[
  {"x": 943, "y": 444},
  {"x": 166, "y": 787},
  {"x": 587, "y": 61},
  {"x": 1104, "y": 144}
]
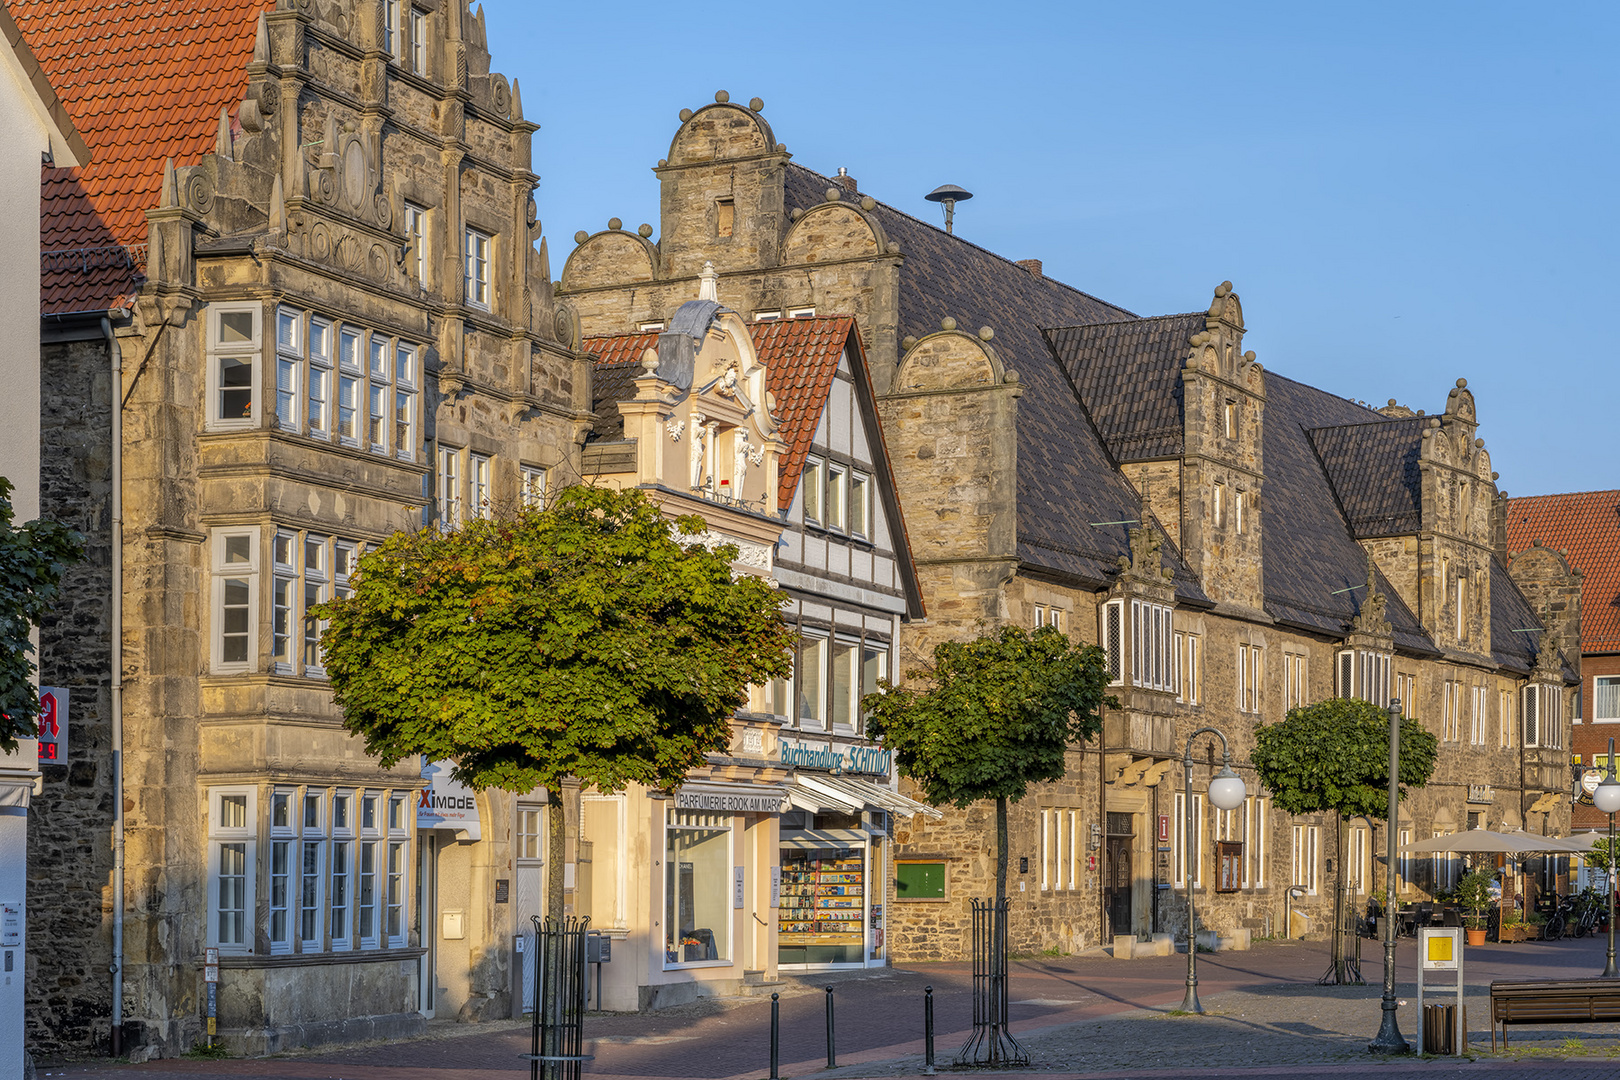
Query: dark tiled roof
[
  {"x": 143, "y": 82},
  {"x": 1373, "y": 468},
  {"x": 1312, "y": 562},
  {"x": 1510, "y": 613},
  {"x": 1586, "y": 524},
  {"x": 1128, "y": 375},
  {"x": 1066, "y": 480},
  {"x": 613, "y": 378},
  {"x": 800, "y": 357}
]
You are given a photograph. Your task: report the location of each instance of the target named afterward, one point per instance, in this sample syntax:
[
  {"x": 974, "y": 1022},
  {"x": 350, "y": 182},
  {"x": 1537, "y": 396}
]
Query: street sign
[{"x": 53, "y": 725}]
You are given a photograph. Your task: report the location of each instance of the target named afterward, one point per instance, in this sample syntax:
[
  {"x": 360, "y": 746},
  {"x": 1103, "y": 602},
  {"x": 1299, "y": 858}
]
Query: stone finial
[
  {"x": 1223, "y": 288},
  {"x": 985, "y": 333},
  {"x": 649, "y": 360},
  {"x": 908, "y": 342},
  {"x": 222, "y": 138},
  {"x": 947, "y": 323},
  {"x": 261, "y": 42},
  {"x": 1462, "y": 384},
  {"x": 615, "y": 224},
  {"x": 832, "y": 194},
  {"x": 709, "y": 283},
  {"x": 644, "y": 230},
  {"x": 581, "y": 236},
  {"x": 1371, "y": 620},
  {"x": 868, "y": 203},
  {"x": 517, "y": 100},
  {"x": 721, "y": 97},
  {"x": 278, "y": 207},
  {"x": 168, "y": 193},
  {"x": 685, "y": 115},
  {"x": 756, "y": 104}
]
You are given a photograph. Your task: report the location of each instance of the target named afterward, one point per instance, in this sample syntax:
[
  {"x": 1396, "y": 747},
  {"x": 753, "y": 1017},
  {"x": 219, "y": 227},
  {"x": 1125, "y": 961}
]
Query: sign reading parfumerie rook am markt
[{"x": 740, "y": 800}]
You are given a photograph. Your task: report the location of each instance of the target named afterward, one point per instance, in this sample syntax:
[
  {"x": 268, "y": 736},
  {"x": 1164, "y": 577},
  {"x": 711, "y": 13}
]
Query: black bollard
[
  {"x": 832, "y": 1058},
  {"x": 928, "y": 1031},
  {"x": 776, "y": 1034}
]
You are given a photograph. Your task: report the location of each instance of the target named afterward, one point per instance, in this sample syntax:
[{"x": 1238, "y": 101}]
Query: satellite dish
[{"x": 950, "y": 195}]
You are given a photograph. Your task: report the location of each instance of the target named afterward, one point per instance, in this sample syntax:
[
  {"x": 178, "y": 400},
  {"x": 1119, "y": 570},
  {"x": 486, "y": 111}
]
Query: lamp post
[
  {"x": 1226, "y": 792},
  {"x": 1389, "y": 1039},
  {"x": 1607, "y": 799}
]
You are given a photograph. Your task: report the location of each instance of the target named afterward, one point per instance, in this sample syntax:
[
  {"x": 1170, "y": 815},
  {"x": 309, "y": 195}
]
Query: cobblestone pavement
[{"x": 1078, "y": 1016}]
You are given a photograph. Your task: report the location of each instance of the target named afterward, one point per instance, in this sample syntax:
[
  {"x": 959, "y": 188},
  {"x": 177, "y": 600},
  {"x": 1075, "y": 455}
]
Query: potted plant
[{"x": 1474, "y": 894}]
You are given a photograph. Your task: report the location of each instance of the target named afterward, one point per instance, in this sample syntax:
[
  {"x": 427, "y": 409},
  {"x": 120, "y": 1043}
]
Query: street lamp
[
  {"x": 1607, "y": 799},
  {"x": 1389, "y": 1039},
  {"x": 1226, "y": 792}
]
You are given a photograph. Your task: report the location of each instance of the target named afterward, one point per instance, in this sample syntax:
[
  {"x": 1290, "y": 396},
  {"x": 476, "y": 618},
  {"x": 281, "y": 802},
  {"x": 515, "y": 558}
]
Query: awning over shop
[{"x": 819, "y": 793}]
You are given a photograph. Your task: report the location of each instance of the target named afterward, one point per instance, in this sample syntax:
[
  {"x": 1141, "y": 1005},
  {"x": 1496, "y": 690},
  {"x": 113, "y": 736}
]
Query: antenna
[{"x": 950, "y": 195}]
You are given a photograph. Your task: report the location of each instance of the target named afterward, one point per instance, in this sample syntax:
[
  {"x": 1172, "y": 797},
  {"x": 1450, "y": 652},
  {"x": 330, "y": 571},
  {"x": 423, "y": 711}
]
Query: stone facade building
[
  {"x": 1550, "y": 537},
  {"x": 293, "y": 305},
  {"x": 1240, "y": 543}
]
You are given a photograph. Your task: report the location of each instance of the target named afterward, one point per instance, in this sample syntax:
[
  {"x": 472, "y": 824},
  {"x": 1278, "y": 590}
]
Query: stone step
[{"x": 760, "y": 989}]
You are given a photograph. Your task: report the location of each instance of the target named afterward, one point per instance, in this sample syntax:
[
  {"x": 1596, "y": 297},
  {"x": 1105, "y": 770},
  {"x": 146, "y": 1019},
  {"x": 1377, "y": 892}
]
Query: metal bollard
[
  {"x": 776, "y": 1034},
  {"x": 832, "y": 1058},
  {"x": 928, "y": 1031}
]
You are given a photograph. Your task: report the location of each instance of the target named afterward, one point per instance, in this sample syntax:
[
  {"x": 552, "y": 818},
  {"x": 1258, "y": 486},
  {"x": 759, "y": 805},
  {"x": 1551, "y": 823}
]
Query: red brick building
[{"x": 1583, "y": 530}]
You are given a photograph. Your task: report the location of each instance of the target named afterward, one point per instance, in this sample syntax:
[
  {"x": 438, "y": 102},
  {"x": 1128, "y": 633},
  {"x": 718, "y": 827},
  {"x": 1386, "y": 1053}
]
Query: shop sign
[
  {"x": 446, "y": 803},
  {"x": 864, "y": 760},
  {"x": 53, "y": 724},
  {"x": 741, "y": 801}
]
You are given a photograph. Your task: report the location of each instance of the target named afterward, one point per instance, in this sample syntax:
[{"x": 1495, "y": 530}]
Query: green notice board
[{"x": 919, "y": 880}]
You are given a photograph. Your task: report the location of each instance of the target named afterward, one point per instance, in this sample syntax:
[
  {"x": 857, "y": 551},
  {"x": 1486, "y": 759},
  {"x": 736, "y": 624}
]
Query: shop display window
[
  {"x": 697, "y": 888},
  {"x": 822, "y": 917}
]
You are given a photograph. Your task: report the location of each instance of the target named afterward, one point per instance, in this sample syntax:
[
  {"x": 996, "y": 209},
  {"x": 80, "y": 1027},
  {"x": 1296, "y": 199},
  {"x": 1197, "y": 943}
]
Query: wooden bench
[{"x": 1553, "y": 1001}]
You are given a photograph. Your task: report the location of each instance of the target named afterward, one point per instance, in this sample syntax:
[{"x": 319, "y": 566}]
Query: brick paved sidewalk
[{"x": 1083, "y": 1015}]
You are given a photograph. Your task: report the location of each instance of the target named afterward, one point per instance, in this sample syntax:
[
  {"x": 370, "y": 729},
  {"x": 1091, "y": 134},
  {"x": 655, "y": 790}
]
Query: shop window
[
  {"x": 233, "y": 361},
  {"x": 822, "y": 914},
  {"x": 919, "y": 880},
  {"x": 697, "y": 888},
  {"x": 232, "y": 828}
]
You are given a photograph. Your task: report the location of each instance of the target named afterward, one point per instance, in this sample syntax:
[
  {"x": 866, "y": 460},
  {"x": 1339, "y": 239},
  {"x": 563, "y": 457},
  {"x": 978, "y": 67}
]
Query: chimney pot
[
  {"x": 1032, "y": 265},
  {"x": 845, "y": 180}
]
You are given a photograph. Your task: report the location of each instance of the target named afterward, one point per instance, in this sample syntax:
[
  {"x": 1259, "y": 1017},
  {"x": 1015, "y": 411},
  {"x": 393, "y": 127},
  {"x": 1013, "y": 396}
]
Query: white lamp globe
[
  {"x": 1226, "y": 790},
  {"x": 1607, "y": 796}
]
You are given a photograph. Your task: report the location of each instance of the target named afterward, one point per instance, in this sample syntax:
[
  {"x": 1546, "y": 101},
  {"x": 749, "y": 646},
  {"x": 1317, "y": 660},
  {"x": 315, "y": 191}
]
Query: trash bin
[{"x": 1440, "y": 1029}]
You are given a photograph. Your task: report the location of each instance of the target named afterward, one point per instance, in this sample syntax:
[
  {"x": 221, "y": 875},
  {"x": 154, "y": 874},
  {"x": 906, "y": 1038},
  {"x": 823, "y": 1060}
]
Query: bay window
[
  {"x": 231, "y": 866},
  {"x": 235, "y": 599},
  {"x": 233, "y": 366}
]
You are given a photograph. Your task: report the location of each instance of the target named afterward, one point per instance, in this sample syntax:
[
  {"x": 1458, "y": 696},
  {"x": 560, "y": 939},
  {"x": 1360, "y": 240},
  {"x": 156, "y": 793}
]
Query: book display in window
[{"x": 822, "y": 899}]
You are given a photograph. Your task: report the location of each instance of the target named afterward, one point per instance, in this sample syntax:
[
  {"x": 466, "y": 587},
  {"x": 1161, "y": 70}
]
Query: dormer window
[
  {"x": 725, "y": 216},
  {"x": 801, "y": 313},
  {"x": 650, "y": 327},
  {"x": 768, "y": 316}
]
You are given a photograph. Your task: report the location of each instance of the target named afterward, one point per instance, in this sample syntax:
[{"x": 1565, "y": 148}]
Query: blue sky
[{"x": 1402, "y": 193}]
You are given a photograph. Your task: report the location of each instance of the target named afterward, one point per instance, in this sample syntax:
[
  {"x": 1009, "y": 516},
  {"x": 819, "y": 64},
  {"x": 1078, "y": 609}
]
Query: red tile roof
[
  {"x": 800, "y": 357},
  {"x": 1587, "y": 525},
  {"x": 142, "y": 82}
]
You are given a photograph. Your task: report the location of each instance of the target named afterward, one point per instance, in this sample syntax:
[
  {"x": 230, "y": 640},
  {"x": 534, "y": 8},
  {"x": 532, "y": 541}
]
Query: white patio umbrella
[{"x": 1478, "y": 841}]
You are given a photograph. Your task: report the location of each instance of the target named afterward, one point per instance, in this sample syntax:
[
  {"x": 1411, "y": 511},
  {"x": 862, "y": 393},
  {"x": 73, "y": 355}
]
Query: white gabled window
[
  {"x": 233, "y": 366},
  {"x": 1113, "y": 640},
  {"x": 475, "y": 284},
  {"x": 232, "y": 861},
  {"x": 235, "y": 606},
  {"x": 1152, "y": 640}
]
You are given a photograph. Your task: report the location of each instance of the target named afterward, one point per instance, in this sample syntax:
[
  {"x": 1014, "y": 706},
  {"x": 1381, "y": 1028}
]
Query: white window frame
[
  {"x": 801, "y": 313},
  {"x": 1250, "y": 674},
  {"x": 319, "y": 384},
  {"x": 476, "y": 284},
  {"x": 1605, "y": 699},
  {"x": 416, "y": 229},
  {"x": 449, "y": 488},
  {"x": 370, "y": 840},
  {"x": 859, "y": 508},
  {"x": 319, "y": 575},
  {"x": 251, "y": 351},
  {"x": 820, "y": 717},
  {"x": 730, "y": 830},
  {"x": 289, "y": 368},
  {"x": 480, "y": 486},
  {"x": 766, "y": 316},
  {"x": 1296, "y": 680},
  {"x": 391, "y": 28},
  {"x": 222, "y": 572},
  {"x": 1152, "y": 645},
  {"x": 1178, "y": 833},
  {"x": 812, "y": 483},
  {"x": 396, "y": 881},
  {"x": 1220, "y": 505},
  {"x": 283, "y": 838},
  {"x": 1306, "y": 858},
  {"x": 220, "y": 836},
  {"x": 532, "y": 486},
  {"x": 419, "y": 41},
  {"x": 312, "y": 882},
  {"x": 836, "y": 501},
  {"x": 1112, "y": 635},
  {"x": 1479, "y": 713}
]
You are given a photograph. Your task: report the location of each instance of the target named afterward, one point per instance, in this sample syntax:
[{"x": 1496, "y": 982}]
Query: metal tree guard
[
  {"x": 992, "y": 1042},
  {"x": 557, "y": 1031}
]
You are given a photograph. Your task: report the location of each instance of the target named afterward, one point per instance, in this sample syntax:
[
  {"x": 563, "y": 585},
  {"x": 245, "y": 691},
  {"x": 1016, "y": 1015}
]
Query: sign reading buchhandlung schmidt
[{"x": 446, "y": 803}]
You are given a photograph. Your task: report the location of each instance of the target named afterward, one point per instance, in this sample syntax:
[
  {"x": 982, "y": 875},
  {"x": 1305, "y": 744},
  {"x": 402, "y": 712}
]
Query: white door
[{"x": 530, "y": 871}]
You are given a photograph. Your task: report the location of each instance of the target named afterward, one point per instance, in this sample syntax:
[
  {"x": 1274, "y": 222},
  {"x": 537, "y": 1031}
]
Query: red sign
[
  {"x": 53, "y": 724},
  {"x": 1164, "y": 828}
]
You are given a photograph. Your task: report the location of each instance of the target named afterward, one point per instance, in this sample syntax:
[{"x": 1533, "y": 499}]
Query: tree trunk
[
  {"x": 1001, "y": 849},
  {"x": 556, "y": 835}
]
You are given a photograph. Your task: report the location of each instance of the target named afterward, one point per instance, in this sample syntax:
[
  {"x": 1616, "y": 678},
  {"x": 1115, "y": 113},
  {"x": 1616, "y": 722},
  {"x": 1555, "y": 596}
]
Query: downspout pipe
[{"x": 116, "y": 648}]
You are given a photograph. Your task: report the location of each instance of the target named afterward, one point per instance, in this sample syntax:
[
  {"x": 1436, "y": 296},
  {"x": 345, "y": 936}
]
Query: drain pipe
[{"x": 116, "y": 623}]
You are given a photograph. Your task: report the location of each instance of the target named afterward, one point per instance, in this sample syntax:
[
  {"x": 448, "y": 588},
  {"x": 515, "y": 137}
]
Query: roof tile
[{"x": 1586, "y": 524}]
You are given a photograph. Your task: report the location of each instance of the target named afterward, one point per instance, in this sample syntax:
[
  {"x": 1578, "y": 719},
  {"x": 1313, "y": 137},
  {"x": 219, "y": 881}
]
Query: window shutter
[
  {"x": 1114, "y": 638},
  {"x": 1346, "y": 683}
]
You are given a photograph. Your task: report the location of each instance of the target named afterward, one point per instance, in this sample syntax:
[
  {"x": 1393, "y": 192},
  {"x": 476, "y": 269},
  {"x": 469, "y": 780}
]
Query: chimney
[
  {"x": 846, "y": 180},
  {"x": 1032, "y": 265}
]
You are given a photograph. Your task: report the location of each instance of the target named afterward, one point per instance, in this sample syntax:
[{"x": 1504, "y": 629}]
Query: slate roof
[
  {"x": 142, "y": 83},
  {"x": 800, "y": 357},
  {"x": 1128, "y": 374},
  {"x": 1510, "y": 613},
  {"x": 1373, "y": 468},
  {"x": 1587, "y": 525},
  {"x": 1066, "y": 480}
]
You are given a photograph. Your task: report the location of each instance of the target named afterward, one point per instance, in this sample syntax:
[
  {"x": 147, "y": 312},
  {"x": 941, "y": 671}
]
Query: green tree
[
  {"x": 32, "y": 559},
  {"x": 591, "y": 640},
  {"x": 998, "y": 714},
  {"x": 1334, "y": 756}
]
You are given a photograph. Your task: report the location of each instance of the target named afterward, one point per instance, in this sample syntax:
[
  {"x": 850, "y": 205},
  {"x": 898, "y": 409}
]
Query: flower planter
[
  {"x": 1475, "y": 937},
  {"x": 1519, "y": 932}
]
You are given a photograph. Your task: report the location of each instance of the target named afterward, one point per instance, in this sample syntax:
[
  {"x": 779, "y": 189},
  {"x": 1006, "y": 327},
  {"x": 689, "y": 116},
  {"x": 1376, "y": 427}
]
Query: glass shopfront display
[{"x": 697, "y": 888}]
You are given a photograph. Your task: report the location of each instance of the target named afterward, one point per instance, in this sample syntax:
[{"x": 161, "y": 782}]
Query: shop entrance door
[
  {"x": 1118, "y": 874},
  {"x": 530, "y": 873},
  {"x": 427, "y": 920}
]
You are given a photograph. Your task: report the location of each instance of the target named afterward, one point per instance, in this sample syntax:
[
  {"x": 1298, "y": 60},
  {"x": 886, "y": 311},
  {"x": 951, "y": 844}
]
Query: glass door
[{"x": 427, "y": 920}]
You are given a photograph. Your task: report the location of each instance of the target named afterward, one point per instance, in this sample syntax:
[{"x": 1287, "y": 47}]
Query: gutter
[{"x": 116, "y": 625}]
